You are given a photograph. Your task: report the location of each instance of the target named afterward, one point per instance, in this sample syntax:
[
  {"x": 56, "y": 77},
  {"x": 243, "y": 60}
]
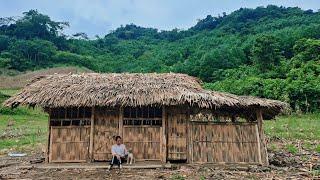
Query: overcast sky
[{"x": 98, "y": 17}]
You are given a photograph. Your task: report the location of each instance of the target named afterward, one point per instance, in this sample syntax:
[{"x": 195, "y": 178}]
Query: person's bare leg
[{"x": 111, "y": 164}]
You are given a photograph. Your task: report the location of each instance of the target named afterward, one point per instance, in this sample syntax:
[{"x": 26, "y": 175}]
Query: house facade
[{"x": 161, "y": 117}]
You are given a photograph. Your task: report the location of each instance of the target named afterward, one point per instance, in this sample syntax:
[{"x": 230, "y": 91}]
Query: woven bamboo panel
[
  {"x": 69, "y": 144},
  {"x": 177, "y": 135},
  {"x": 144, "y": 141},
  {"x": 230, "y": 143},
  {"x": 106, "y": 126}
]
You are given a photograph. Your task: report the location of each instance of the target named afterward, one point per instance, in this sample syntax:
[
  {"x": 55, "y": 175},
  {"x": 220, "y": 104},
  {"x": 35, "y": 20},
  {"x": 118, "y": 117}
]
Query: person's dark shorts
[{"x": 116, "y": 161}]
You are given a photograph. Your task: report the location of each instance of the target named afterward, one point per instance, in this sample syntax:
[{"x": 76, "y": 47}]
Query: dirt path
[
  {"x": 10, "y": 168},
  {"x": 185, "y": 173}
]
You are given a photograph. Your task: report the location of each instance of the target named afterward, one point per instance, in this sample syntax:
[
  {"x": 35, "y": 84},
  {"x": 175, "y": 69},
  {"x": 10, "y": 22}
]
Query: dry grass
[{"x": 19, "y": 81}]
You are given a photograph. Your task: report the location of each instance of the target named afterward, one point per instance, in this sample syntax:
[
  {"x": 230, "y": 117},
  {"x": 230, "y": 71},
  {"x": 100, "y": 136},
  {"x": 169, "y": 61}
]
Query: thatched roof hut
[
  {"x": 169, "y": 89},
  {"x": 162, "y": 117}
]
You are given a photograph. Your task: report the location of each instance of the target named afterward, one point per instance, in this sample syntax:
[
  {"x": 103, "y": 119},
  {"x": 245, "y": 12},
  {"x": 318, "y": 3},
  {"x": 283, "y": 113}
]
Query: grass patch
[
  {"x": 318, "y": 148},
  {"x": 177, "y": 177},
  {"x": 9, "y": 92},
  {"x": 291, "y": 148},
  {"x": 273, "y": 147},
  {"x": 28, "y": 127},
  {"x": 25, "y": 132},
  {"x": 293, "y": 127}
]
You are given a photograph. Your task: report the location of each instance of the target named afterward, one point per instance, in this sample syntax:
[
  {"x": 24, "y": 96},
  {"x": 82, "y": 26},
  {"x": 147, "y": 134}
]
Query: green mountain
[{"x": 271, "y": 52}]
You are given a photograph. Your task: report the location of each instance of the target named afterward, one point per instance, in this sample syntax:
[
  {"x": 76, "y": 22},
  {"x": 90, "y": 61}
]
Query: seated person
[{"x": 119, "y": 153}]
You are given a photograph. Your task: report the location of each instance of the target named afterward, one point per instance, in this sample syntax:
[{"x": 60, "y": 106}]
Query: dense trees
[
  {"x": 299, "y": 86},
  {"x": 33, "y": 25},
  {"x": 270, "y": 52},
  {"x": 266, "y": 52}
]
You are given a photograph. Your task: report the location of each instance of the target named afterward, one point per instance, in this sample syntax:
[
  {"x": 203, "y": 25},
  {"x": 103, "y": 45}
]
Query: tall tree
[{"x": 265, "y": 52}]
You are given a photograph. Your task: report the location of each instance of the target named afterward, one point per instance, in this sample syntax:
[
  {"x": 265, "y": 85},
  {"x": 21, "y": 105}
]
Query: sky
[{"x": 99, "y": 17}]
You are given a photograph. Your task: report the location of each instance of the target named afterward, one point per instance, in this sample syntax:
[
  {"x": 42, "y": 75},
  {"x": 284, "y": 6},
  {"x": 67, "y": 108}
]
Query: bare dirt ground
[{"x": 282, "y": 166}]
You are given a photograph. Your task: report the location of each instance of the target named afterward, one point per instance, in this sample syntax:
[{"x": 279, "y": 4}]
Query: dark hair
[{"x": 118, "y": 137}]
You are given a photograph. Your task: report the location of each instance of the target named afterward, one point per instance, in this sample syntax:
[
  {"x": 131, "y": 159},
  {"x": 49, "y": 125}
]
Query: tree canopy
[{"x": 270, "y": 52}]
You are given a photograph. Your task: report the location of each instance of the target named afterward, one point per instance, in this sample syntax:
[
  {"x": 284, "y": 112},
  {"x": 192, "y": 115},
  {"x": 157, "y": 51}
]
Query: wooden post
[
  {"x": 91, "y": 134},
  {"x": 48, "y": 141},
  {"x": 163, "y": 149},
  {"x": 263, "y": 147},
  {"x": 121, "y": 122},
  {"x": 50, "y": 150},
  {"x": 258, "y": 142}
]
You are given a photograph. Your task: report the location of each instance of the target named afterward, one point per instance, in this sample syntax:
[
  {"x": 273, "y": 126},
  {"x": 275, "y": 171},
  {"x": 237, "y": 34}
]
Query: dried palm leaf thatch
[
  {"x": 270, "y": 107},
  {"x": 128, "y": 89},
  {"x": 249, "y": 104}
]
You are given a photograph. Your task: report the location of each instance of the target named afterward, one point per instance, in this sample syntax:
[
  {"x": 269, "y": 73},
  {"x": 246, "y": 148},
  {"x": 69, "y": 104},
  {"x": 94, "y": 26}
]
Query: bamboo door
[
  {"x": 106, "y": 126},
  {"x": 177, "y": 134}
]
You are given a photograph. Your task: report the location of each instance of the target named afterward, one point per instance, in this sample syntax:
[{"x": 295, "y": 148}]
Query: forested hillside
[{"x": 271, "y": 52}]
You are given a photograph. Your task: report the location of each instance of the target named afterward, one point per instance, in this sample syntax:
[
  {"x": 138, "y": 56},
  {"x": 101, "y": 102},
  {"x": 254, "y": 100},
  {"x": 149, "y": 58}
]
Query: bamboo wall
[
  {"x": 144, "y": 141},
  {"x": 225, "y": 142},
  {"x": 69, "y": 144},
  {"x": 69, "y": 134},
  {"x": 153, "y": 134}
]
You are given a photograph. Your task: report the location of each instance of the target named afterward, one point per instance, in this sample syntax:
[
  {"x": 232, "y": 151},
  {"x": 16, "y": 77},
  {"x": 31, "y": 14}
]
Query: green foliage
[
  {"x": 270, "y": 52},
  {"x": 34, "y": 53},
  {"x": 34, "y": 25},
  {"x": 266, "y": 52},
  {"x": 5, "y": 94},
  {"x": 4, "y": 42},
  {"x": 307, "y": 49},
  {"x": 318, "y": 148},
  {"x": 291, "y": 148}
]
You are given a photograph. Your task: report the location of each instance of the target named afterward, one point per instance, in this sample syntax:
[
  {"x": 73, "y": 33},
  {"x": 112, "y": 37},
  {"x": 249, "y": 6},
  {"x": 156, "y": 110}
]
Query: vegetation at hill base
[{"x": 271, "y": 52}]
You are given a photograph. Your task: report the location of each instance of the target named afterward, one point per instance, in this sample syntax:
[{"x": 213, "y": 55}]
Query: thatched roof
[{"x": 92, "y": 89}]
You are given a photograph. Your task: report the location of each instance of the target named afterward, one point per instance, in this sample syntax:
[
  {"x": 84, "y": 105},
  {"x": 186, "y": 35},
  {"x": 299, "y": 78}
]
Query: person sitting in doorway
[{"x": 119, "y": 153}]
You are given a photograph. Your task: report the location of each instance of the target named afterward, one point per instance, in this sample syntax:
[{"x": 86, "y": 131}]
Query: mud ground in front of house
[{"x": 283, "y": 165}]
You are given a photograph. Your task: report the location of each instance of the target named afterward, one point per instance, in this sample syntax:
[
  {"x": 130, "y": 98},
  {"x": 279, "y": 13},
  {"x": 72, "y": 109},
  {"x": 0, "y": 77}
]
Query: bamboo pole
[
  {"x": 120, "y": 122},
  {"x": 262, "y": 137},
  {"x": 48, "y": 140},
  {"x": 163, "y": 149},
  {"x": 91, "y": 134}
]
